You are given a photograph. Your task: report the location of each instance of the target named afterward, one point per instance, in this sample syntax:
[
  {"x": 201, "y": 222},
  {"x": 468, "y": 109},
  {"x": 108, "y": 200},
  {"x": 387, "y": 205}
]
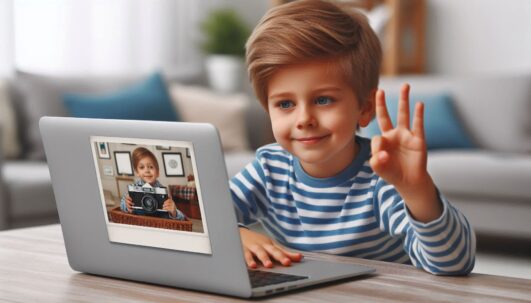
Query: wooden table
[{"x": 34, "y": 268}]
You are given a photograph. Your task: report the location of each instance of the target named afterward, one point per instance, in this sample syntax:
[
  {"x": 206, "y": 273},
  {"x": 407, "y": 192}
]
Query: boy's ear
[{"x": 368, "y": 109}]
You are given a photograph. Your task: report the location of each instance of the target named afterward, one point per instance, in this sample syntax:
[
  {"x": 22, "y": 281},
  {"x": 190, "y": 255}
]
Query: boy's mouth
[{"x": 311, "y": 140}]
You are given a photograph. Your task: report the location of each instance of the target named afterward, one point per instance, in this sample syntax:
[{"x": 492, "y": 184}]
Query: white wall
[
  {"x": 463, "y": 37},
  {"x": 251, "y": 11},
  {"x": 478, "y": 36}
]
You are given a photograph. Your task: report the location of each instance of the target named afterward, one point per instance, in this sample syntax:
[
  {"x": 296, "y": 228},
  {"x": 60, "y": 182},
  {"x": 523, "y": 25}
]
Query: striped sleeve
[
  {"x": 248, "y": 193},
  {"x": 445, "y": 246}
]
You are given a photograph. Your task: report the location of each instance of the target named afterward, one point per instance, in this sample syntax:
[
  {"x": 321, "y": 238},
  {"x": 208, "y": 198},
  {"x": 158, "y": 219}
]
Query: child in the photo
[
  {"x": 320, "y": 188},
  {"x": 146, "y": 168}
]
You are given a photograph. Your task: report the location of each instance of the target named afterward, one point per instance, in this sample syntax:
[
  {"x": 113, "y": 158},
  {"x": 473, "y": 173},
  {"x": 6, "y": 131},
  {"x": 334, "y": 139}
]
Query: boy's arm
[
  {"x": 443, "y": 246},
  {"x": 179, "y": 215},
  {"x": 399, "y": 156},
  {"x": 248, "y": 190},
  {"x": 248, "y": 193}
]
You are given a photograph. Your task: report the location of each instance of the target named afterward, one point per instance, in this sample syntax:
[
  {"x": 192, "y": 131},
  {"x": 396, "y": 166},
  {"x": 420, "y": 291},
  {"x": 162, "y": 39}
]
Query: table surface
[{"x": 34, "y": 268}]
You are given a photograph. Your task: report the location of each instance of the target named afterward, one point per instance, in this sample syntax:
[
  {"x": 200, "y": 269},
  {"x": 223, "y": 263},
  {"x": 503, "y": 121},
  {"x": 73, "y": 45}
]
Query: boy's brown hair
[
  {"x": 314, "y": 30},
  {"x": 140, "y": 153}
]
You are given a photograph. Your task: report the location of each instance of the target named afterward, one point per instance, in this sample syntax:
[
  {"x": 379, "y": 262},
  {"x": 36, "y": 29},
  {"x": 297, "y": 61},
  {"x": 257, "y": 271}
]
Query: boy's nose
[{"x": 305, "y": 118}]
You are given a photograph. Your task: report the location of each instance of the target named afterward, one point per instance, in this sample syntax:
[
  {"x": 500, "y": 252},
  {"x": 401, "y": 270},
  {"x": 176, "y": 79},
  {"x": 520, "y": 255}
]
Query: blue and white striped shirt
[{"x": 355, "y": 213}]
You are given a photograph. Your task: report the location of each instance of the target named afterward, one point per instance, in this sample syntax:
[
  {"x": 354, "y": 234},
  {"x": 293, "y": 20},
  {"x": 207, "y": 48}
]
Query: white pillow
[
  {"x": 8, "y": 124},
  {"x": 225, "y": 111}
]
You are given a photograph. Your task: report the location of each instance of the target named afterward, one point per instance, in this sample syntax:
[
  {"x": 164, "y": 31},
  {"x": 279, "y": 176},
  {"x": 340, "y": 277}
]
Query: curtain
[
  {"x": 97, "y": 37},
  {"x": 6, "y": 38}
]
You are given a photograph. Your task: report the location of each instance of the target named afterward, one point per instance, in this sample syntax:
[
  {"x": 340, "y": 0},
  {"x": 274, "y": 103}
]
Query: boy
[
  {"x": 321, "y": 188},
  {"x": 146, "y": 168}
]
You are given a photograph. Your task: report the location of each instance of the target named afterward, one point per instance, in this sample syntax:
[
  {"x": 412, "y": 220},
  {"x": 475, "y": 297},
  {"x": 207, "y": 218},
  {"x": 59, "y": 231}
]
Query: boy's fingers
[
  {"x": 249, "y": 259},
  {"x": 294, "y": 256},
  {"x": 382, "y": 116},
  {"x": 376, "y": 144},
  {"x": 262, "y": 255},
  {"x": 403, "y": 107},
  {"x": 379, "y": 153},
  {"x": 418, "y": 120},
  {"x": 278, "y": 255},
  {"x": 378, "y": 161}
]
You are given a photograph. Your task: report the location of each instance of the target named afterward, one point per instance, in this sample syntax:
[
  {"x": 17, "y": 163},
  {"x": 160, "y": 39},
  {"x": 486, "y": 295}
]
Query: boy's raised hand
[
  {"x": 399, "y": 156},
  {"x": 263, "y": 248}
]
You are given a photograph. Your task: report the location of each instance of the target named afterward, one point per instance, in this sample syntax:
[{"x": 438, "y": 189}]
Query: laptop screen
[{"x": 150, "y": 192}]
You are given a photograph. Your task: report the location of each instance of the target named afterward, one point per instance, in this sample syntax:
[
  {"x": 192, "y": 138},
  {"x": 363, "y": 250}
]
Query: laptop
[{"x": 91, "y": 167}]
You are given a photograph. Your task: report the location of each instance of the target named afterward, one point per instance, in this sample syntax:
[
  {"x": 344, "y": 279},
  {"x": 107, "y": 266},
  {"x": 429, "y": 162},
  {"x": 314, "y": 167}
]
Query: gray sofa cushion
[
  {"x": 482, "y": 173},
  {"x": 40, "y": 95},
  {"x": 495, "y": 110},
  {"x": 235, "y": 161},
  {"x": 28, "y": 188}
]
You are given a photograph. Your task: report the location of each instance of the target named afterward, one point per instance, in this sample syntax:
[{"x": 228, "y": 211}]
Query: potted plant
[{"x": 225, "y": 35}]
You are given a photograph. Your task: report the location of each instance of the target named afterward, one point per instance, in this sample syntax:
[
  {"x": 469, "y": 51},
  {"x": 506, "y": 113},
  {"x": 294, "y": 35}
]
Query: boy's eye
[
  {"x": 323, "y": 100},
  {"x": 285, "y": 104}
]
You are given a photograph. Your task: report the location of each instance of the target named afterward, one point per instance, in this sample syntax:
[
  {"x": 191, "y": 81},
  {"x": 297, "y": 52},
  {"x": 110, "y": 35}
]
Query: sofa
[
  {"x": 26, "y": 195},
  {"x": 489, "y": 182}
]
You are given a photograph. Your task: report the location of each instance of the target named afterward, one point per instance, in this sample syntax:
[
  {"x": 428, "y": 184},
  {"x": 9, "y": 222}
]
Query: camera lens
[{"x": 149, "y": 203}]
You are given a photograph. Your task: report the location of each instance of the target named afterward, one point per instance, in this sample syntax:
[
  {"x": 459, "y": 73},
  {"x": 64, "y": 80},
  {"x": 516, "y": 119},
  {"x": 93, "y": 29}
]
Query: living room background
[
  {"x": 461, "y": 37},
  {"x": 477, "y": 82}
]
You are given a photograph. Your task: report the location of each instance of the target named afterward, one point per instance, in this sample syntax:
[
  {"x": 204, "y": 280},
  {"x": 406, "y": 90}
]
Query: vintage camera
[{"x": 149, "y": 199}]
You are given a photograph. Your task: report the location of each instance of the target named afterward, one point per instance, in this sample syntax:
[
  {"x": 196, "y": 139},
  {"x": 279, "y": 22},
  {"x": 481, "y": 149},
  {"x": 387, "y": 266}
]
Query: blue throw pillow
[
  {"x": 441, "y": 125},
  {"x": 148, "y": 100}
]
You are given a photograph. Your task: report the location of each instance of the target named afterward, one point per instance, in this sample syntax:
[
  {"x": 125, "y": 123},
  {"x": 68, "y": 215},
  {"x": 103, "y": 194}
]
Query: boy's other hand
[
  {"x": 129, "y": 204},
  {"x": 263, "y": 248},
  {"x": 169, "y": 206}
]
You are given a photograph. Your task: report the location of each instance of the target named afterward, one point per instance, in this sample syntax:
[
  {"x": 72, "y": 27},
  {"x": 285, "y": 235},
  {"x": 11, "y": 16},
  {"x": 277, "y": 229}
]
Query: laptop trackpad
[{"x": 319, "y": 269}]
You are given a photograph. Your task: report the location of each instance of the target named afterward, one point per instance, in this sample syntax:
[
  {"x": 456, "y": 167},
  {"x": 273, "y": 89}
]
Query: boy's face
[
  {"x": 147, "y": 170},
  {"x": 314, "y": 114}
]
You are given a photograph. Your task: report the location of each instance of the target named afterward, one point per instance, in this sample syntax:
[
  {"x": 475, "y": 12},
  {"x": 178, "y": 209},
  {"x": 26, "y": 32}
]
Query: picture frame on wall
[
  {"x": 188, "y": 152},
  {"x": 103, "y": 150},
  {"x": 123, "y": 163},
  {"x": 108, "y": 171},
  {"x": 173, "y": 164}
]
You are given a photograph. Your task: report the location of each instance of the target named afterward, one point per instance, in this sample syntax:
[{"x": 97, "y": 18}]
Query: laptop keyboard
[{"x": 263, "y": 278}]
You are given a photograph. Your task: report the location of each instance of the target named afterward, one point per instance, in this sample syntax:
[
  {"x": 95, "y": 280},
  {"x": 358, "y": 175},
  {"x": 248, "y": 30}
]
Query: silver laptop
[{"x": 91, "y": 165}]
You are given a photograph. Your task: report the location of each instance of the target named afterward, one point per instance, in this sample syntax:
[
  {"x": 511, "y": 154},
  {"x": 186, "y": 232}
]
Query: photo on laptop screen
[{"x": 151, "y": 193}]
